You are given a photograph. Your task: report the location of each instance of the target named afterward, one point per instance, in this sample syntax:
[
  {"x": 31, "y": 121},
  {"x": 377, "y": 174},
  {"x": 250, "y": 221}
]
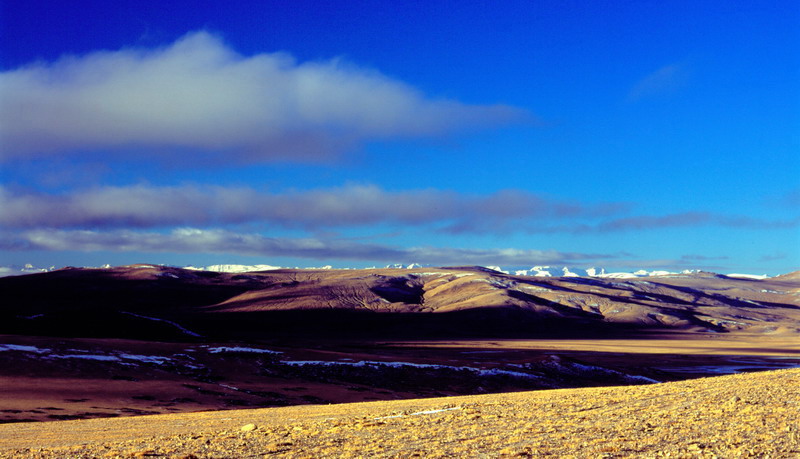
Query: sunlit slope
[
  {"x": 166, "y": 302},
  {"x": 745, "y": 415}
]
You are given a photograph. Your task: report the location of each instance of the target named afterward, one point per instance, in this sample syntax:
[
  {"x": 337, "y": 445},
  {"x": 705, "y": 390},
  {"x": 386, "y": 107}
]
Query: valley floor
[
  {"x": 742, "y": 415},
  {"x": 52, "y": 379}
]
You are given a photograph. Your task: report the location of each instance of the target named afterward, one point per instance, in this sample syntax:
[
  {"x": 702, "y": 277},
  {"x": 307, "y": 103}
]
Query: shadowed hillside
[
  {"x": 171, "y": 303},
  {"x": 91, "y": 343}
]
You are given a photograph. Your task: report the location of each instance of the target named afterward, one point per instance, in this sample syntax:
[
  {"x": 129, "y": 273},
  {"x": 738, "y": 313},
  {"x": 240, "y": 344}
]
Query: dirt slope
[
  {"x": 151, "y": 302},
  {"x": 745, "y": 415}
]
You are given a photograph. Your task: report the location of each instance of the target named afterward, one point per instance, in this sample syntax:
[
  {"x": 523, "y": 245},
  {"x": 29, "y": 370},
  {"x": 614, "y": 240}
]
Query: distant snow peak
[
  {"x": 541, "y": 271},
  {"x": 26, "y": 269},
  {"x": 548, "y": 271},
  {"x": 535, "y": 271},
  {"x": 29, "y": 268},
  {"x": 404, "y": 266},
  {"x": 237, "y": 268},
  {"x": 748, "y": 276},
  {"x": 496, "y": 268},
  {"x": 620, "y": 275},
  {"x": 567, "y": 273}
]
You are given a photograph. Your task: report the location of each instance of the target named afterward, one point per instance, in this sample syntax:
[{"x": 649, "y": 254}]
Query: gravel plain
[{"x": 743, "y": 415}]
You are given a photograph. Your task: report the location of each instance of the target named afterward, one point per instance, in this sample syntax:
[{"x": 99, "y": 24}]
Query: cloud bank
[
  {"x": 349, "y": 206},
  {"x": 198, "y": 97},
  {"x": 192, "y": 240},
  {"x": 144, "y": 206}
]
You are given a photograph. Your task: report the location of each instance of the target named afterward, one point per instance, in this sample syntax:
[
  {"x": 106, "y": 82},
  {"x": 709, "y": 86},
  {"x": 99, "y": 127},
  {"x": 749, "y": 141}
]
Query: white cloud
[
  {"x": 662, "y": 81},
  {"x": 347, "y": 206},
  {"x": 192, "y": 240},
  {"x": 199, "y": 95}
]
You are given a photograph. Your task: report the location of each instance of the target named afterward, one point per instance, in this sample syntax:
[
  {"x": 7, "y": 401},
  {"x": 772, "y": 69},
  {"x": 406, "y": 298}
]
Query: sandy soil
[
  {"x": 740, "y": 344},
  {"x": 744, "y": 415}
]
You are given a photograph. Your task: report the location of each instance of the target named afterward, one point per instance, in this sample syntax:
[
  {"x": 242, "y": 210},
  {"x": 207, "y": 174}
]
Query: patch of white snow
[
  {"x": 178, "y": 326},
  {"x": 21, "y": 348},
  {"x": 747, "y": 276},
  {"x": 251, "y": 350}
]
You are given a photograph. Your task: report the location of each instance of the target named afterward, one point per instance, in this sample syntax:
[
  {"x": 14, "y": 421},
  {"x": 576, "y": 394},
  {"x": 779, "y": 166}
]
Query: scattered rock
[{"x": 248, "y": 427}]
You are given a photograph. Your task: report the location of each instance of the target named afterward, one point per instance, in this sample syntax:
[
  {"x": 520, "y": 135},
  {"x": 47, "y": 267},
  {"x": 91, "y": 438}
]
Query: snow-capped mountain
[
  {"x": 18, "y": 271},
  {"x": 549, "y": 271},
  {"x": 235, "y": 268},
  {"x": 535, "y": 271}
]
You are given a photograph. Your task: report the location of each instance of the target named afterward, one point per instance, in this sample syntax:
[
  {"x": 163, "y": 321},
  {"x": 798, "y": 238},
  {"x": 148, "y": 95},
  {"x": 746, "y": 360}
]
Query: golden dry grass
[
  {"x": 744, "y": 415},
  {"x": 741, "y": 344}
]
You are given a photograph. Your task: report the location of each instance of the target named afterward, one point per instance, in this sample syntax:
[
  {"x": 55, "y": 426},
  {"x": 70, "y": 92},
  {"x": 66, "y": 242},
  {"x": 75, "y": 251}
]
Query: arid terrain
[
  {"x": 744, "y": 415},
  {"x": 95, "y": 344},
  {"x": 174, "y": 304},
  {"x": 91, "y": 343}
]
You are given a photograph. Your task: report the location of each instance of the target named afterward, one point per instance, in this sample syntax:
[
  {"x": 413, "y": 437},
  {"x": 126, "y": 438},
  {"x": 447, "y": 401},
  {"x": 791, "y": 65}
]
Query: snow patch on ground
[
  {"x": 176, "y": 325},
  {"x": 35, "y": 316},
  {"x": 252, "y": 350},
  {"x": 105, "y": 358},
  {"x": 533, "y": 288},
  {"x": 20, "y": 348},
  {"x": 740, "y": 366},
  {"x": 378, "y": 365},
  {"x": 576, "y": 368},
  {"x": 157, "y": 359},
  {"x": 86, "y": 355}
]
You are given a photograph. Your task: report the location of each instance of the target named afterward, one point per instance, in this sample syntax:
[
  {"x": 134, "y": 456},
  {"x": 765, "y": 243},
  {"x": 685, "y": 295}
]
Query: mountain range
[
  {"x": 536, "y": 271},
  {"x": 145, "y": 339},
  {"x": 141, "y": 299}
]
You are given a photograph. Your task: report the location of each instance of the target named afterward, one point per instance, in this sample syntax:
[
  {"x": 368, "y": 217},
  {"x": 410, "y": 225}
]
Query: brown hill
[
  {"x": 87, "y": 343},
  {"x": 145, "y": 301},
  {"x": 747, "y": 415},
  {"x": 794, "y": 275}
]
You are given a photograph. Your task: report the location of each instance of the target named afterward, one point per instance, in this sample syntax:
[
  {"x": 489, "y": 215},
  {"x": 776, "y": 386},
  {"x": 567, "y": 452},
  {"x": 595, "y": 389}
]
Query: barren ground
[
  {"x": 187, "y": 377},
  {"x": 138, "y": 361},
  {"x": 743, "y": 415}
]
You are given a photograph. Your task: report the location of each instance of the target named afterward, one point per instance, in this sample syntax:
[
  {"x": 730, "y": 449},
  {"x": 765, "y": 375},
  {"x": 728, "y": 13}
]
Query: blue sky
[{"x": 624, "y": 135}]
